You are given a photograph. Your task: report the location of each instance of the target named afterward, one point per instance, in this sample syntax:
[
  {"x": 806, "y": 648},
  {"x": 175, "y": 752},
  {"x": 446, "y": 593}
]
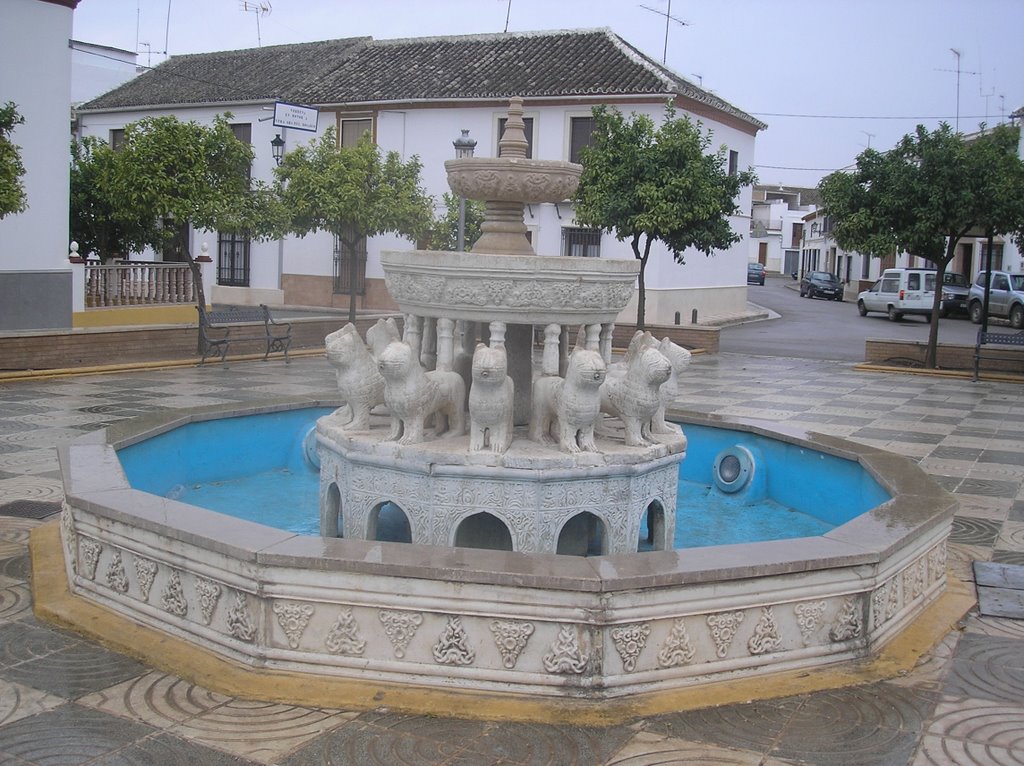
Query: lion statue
[
  {"x": 413, "y": 395},
  {"x": 359, "y": 381},
  {"x": 633, "y": 395},
  {"x": 574, "y": 402},
  {"x": 490, "y": 401},
  {"x": 679, "y": 358},
  {"x": 378, "y": 336}
]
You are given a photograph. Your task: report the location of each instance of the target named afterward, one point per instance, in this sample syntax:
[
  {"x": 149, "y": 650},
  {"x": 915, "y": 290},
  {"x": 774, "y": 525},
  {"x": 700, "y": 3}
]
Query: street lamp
[
  {"x": 277, "y": 148},
  {"x": 464, "y": 146}
]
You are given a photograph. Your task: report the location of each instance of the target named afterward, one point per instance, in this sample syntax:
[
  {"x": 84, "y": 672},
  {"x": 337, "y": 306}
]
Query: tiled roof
[{"x": 566, "y": 63}]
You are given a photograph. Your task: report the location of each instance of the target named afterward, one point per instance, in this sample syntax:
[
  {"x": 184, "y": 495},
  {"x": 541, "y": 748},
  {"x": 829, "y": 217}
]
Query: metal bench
[
  {"x": 215, "y": 331},
  {"x": 999, "y": 339}
]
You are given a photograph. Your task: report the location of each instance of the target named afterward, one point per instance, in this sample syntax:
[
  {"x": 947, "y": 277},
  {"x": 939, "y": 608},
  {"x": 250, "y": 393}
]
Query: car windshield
[
  {"x": 951, "y": 278},
  {"x": 824, "y": 276},
  {"x": 1017, "y": 282},
  {"x": 754, "y": 267}
]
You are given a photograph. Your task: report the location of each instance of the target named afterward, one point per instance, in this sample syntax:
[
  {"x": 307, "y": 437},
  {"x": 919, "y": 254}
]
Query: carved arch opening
[
  {"x": 387, "y": 522},
  {"x": 585, "y": 534},
  {"x": 483, "y": 530},
  {"x": 653, "y": 531},
  {"x": 333, "y": 524}
]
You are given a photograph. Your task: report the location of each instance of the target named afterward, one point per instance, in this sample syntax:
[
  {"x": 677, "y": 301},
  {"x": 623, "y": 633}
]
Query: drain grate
[{"x": 29, "y": 509}]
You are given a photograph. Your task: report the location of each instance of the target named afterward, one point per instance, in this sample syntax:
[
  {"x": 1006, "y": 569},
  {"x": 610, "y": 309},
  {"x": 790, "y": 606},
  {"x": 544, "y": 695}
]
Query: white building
[
  {"x": 777, "y": 223},
  {"x": 415, "y": 96},
  {"x": 35, "y": 73},
  {"x": 96, "y": 69}
]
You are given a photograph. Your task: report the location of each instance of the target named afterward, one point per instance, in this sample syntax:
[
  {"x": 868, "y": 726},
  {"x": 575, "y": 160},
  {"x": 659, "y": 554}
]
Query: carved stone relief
[
  {"x": 293, "y": 617},
  {"x": 510, "y": 636},
  {"x": 240, "y": 622},
  {"x": 400, "y": 627},
  {"x": 343, "y": 637},
  {"x": 117, "y": 577},
  {"x": 766, "y": 634},
  {"x": 565, "y": 656},
  {"x": 808, "y": 616},
  {"x": 451, "y": 648},
  {"x": 173, "y": 597},
  {"x": 849, "y": 623},
  {"x": 145, "y": 571},
  {"x": 207, "y": 592},
  {"x": 677, "y": 649},
  {"x": 723, "y": 628},
  {"x": 630, "y": 641},
  {"x": 89, "y": 557}
]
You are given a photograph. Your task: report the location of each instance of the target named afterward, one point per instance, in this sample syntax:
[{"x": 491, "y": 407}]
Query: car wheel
[
  {"x": 894, "y": 315},
  {"x": 839, "y": 297},
  {"x": 975, "y": 312},
  {"x": 862, "y": 308},
  {"x": 1017, "y": 317},
  {"x": 811, "y": 293}
]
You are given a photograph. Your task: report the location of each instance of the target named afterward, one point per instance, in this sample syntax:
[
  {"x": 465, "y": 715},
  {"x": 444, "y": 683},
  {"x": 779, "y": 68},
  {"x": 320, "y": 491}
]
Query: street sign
[{"x": 295, "y": 116}]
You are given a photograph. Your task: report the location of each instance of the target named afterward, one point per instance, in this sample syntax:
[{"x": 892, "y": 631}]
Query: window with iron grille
[
  {"x": 345, "y": 249},
  {"x": 175, "y": 244},
  {"x": 232, "y": 259},
  {"x": 580, "y": 242},
  {"x": 734, "y": 162}
]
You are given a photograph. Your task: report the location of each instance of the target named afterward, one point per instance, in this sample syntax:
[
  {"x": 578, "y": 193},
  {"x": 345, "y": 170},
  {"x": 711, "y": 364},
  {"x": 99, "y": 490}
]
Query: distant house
[
  {"x": 96, "y": 69},
  {"x": 35, "y": 73},
  {"x": 776, "y": 225},
  {"x": 414, "y": 96}
]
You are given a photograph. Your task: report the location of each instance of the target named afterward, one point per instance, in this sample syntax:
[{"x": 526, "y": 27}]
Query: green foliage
[
  {"x": 648, "y": 184},
  {"x": 95, "y": 225},
  {"x": 444, "y": 232},
  {"x": 925, "y": 194},
  {"x": 12, "y": 192}
]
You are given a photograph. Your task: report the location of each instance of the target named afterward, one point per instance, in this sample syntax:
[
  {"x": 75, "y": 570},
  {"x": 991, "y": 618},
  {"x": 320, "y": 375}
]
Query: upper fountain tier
[{"x": 509, "y": 181}]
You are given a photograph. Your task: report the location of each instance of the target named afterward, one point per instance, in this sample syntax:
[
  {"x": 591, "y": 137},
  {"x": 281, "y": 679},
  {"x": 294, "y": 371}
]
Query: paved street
[
  {"x": 64, "y": 700},
  {"x": 803, "y": 324}
]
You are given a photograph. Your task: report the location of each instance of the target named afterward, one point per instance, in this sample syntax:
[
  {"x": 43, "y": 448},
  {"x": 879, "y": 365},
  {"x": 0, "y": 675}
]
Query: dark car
[
  {"x": 755, "y": 273},
  {"x": 821, "y": 284},
  {"x": 954, "y": 294}
]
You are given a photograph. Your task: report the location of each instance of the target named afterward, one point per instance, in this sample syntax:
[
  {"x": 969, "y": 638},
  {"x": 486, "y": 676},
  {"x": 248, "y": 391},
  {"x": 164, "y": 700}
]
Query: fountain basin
[
  {"x": 505, "y": 288},
  {"x": 505, "y": 179},
  {"x": 559, "y": 627}
]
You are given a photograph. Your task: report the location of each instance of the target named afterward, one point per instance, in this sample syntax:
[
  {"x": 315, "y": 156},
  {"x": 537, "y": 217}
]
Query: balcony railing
[{"x": 138, "y": 284}]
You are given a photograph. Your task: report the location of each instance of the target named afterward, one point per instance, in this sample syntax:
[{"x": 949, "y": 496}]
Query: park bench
[
  {"x": 985, "y": 339},
  {"x": 253, "y": 323}
]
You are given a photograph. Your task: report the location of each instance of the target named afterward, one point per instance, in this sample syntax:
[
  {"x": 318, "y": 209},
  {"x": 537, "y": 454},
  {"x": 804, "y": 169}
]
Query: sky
[{"x": 829, "y": 77}]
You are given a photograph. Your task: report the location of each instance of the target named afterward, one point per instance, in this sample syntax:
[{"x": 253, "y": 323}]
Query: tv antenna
[
  {"x": 959, "y": 72},
  {"x": 870, "y": 136},
  {"x": 667, "y": 13},
  {"x": 257, "y": 8}
]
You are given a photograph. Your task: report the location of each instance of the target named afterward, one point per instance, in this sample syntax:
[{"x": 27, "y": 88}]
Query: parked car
[
  {"x": 954, "y": 294},
  {"x": 821, "y": 284},
  {"x": 1006, "y": 298},
  {"x": 755, "y": 273},
  {"x": 899, "y": 292}
]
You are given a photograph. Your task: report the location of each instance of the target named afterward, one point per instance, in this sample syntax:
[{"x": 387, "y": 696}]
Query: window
[
  {"x": 581, "y": 130},
  {"x": 174, "y": 246},
  {"x": 865, "y": 267},
  {"x": 527, "y": 129},
  {"x": 997, "y": 256},
  {"x": 243, "y": 132},
  {"x": 582, "y": 243},
  {"x": 345, "y": 249},
  {"x": 351, "y": 129},
  {"x": 116, "y": 139},
  {"x": 734, "y": 162},
  {"x": 913, "y": 281},
  {"x": 233, "y": 259}
]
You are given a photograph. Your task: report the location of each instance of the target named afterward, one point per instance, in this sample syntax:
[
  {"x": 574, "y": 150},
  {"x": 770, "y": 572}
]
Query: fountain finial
[{"x": 513, "y": 143}]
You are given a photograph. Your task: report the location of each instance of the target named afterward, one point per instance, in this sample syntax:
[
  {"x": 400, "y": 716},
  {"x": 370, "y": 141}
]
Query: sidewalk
[{"x": 64, "y": 700}]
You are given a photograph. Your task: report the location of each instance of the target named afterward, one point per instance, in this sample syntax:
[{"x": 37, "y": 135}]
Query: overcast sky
[{"x": 828, "y": 76}]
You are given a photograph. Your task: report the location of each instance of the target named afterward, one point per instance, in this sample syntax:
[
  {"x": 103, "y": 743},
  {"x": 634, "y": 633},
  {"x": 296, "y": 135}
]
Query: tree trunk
[
  {"x": 932, "y": 350},
  {"x": 353, "y": 273},
  {"x": 641, "y": 299},
  {"x": 197, "y": 280}
]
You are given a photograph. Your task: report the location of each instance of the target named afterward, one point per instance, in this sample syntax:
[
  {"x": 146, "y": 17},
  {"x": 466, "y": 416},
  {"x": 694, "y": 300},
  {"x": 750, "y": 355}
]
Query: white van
[{"x": 899, "y": 292}]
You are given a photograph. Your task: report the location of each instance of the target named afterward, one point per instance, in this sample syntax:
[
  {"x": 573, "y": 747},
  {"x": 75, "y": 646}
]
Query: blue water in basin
[{"x": 254, "y": 467}]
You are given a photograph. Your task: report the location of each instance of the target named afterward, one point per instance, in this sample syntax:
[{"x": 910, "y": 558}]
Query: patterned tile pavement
[{"x": 64, "y": 700}]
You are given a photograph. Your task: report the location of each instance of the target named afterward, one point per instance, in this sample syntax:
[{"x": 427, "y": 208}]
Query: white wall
[
  {"x": 35, "y": 74},
  {"x": 96, "y": 69}
]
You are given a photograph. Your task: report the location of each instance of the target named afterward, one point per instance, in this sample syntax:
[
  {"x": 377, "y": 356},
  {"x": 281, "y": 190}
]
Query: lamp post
[
  {"x": 464, "y": 146},
  {"x": 277, "y": 148}
]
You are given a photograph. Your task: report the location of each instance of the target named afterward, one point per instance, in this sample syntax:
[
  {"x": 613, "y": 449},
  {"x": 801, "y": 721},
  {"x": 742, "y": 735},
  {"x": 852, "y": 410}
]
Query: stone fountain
[{"x": 541, "y": 469}]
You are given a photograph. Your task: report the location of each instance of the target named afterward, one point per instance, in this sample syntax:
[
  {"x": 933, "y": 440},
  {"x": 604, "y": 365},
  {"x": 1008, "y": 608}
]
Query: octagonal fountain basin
[
  {"x": 336, "y": 614},
  {"x": 773, "y": 491}
]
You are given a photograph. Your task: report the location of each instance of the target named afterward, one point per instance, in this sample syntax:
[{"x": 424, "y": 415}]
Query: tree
[
  {"x": 444, "y": 230},
  {"x": 12, "y": 192},
  {"x": 187, "y": 173},
  {"x": 95, "y": 224},
  {"x": 352, "y": 193},
  {"x": 646, "y": 185},
  {"x": 924, "y": 195}
]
